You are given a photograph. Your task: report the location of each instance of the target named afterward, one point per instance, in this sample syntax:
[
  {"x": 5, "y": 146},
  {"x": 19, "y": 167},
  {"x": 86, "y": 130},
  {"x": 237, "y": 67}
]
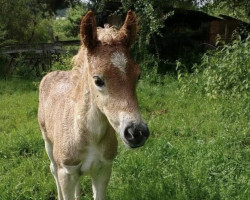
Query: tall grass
[{"x": 198, "y": 148}]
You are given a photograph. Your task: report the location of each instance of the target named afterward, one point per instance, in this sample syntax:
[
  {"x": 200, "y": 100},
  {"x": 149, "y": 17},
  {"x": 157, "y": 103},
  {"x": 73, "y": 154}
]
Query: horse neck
[{"x": 90, "y": 118}]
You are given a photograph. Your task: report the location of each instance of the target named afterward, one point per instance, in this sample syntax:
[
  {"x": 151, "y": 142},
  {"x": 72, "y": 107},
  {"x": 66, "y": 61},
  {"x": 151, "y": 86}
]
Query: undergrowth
[{"x": 222, "y": 72}]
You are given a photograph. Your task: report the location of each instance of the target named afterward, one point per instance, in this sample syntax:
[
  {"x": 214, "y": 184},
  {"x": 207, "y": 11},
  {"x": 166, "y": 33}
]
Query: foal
[{"x": 80, "y": 110}]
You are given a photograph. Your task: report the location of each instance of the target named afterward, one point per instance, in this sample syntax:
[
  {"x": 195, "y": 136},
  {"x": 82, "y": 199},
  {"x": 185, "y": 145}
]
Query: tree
[
  {"x": 239, "y": 9},
  {"x": 68, "y": 28},
  {"x": 23, "y": 25},
  {"x": 53, "y": 5},
  {"x": 31, "y": 24}
]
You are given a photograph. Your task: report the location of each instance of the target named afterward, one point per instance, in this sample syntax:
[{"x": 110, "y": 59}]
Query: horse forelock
[{"x": 107, "y": 35}]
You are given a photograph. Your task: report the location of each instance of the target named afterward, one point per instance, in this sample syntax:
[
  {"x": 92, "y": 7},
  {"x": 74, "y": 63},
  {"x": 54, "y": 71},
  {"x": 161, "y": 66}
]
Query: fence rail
[{"x": 36, "y": 56}]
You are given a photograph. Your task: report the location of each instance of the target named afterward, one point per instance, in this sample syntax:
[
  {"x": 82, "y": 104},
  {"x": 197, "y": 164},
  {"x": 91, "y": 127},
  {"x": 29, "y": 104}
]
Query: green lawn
[{"x": 198, "y": 148}]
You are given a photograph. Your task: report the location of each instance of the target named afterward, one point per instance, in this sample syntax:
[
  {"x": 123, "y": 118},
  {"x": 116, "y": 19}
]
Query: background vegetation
[{"x": 199, "y": 122}]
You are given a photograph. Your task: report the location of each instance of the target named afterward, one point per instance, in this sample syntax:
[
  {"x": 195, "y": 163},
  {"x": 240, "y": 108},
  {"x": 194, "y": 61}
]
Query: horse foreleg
[
  {"x": 53, "y": 170},
  {"x": 68, "y": 184},
  {"x": 100, "y": 180},
  {"x": 77, "y": 191},
  {"x": 53, "y": 167}
]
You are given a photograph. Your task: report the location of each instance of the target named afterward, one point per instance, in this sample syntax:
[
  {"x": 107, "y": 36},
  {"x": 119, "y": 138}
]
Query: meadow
[
  {"x": 198, "y": 147},
  {"x": 198, "y": 116}
]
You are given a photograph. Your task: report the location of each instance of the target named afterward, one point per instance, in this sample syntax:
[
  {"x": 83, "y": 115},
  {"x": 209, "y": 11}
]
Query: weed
[{"x": 222, "y": 73}]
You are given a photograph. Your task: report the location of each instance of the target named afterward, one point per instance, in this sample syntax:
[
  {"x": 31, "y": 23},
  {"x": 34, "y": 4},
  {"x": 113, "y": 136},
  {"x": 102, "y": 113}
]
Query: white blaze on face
[{"x": 119, "y": 60}]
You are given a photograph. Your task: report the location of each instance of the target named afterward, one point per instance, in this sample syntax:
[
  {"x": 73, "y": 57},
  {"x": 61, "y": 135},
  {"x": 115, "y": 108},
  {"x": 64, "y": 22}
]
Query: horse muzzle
[{"x": 136, "y": 135}]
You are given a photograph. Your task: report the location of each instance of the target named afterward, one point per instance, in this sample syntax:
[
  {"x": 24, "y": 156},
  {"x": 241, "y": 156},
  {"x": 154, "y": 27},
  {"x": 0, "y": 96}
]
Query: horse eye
[{"x": 98, "y": 81}]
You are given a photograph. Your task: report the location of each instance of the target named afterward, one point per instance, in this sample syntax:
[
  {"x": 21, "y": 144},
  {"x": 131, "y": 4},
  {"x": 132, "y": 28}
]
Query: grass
[{"x": 198, "y": 148}]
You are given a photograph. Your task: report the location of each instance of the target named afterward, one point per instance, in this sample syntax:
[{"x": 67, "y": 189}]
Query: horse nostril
[
  {"x": 136, "y": 135},
  {"x": 140, "y": 133},
  {"x": 128, "y": 133}
]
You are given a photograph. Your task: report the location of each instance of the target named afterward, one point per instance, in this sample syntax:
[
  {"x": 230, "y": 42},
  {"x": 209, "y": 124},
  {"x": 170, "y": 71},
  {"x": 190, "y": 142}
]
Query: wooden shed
[{"x": 225, "y": 27}]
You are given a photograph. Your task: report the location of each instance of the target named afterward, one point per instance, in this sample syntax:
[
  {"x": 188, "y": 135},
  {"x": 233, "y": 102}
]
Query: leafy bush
[
  {"x": 150, "y": 70},
  {"x": 226, "y": 71},
  {"x": 150, "y": 23},
  {"x": 23, "y": 21},
  {"x": 64, "y": 62},
  {"x": 22, "y": 69},
  {"x": 222, "y": 72},
  {"x": 68, "y": 28}
]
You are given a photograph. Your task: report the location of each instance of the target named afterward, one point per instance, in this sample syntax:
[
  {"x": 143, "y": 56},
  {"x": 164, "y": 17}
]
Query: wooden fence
[{"x": 39, "y": 57}]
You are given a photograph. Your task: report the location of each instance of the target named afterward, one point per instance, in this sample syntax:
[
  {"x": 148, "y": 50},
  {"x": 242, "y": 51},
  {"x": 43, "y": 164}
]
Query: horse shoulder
[{"x": 53, "y": 100}]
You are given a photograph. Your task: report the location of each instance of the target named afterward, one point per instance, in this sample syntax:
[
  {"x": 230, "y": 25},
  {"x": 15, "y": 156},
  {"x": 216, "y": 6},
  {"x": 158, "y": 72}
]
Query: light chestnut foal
[{"x": 80, "y": 110}]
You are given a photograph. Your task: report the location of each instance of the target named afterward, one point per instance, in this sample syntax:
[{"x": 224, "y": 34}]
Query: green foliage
[
  {"x": 33, "y": 23},
  {"x": 182, "y": 74},
  {"x": 97, "y": 5},
  {"x": 22, "y": 69},
  {"x": 54, "y": 5},
  {"x": 24, "y": 25},
  {"x": 237, "y": 8},
  {"x": 3, "y": 64},
  {"x": 64, "y": 63},
  {"x": 149, "y": 70},
  {"x": 226, "y": 71},
  {"x": 150, "y": 23},
  {"x": 68, "y": 28},
  {"x": 223, "y": 72},
  {"x": 2, "y": 34}
]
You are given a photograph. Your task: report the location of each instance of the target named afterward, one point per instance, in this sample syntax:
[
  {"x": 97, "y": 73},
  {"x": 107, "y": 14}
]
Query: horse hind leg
[{"x": 53, "y": 167}]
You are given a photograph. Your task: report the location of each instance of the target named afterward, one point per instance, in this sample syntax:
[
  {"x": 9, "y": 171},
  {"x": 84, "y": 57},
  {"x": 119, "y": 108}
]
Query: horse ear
[
  {"x": 128, "y": 32},
  {"x": 88, "y": 30}
]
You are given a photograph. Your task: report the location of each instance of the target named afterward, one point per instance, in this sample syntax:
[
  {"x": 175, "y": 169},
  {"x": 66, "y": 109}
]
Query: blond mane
[{"x": 107, "y": 35}]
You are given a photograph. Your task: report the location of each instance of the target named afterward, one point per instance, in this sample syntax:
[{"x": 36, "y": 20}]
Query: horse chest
[{"x": 93, "y": 160}]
